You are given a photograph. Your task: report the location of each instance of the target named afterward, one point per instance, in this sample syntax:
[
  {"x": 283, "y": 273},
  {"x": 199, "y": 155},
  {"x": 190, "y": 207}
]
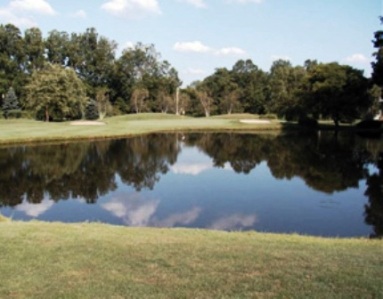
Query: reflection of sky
[
  {"x": 136, "y": 209},
  {"x": 193, "y": 162},
  {"x": 197, "y": 194},
  {"x": 236, "y": 221},
  {"x": 35, "y": 210}
]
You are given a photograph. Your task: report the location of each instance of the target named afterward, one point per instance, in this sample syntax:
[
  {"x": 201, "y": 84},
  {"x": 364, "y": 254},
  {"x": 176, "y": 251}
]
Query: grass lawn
[
  {"x": 53, "y": 260},
  {"x": 20, "y": 130}
]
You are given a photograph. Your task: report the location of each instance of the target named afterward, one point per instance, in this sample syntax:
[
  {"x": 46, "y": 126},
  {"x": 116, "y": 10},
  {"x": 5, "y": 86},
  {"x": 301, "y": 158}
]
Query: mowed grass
[
  {"x": 20, "y": 130},
  {"x": 53, "y": 260}
]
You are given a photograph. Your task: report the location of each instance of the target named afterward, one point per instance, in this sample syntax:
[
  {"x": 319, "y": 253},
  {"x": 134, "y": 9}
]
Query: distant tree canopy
[{"x": 140, "y": 81}]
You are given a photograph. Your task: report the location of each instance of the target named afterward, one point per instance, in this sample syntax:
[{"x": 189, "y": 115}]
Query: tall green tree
[
  {"x": 285, "y": 86},
  {"x": 338, "y": 92},
  {"x": 34, "y": 49},
  {"x": 377, "y": 65},
  {"x": 57, "y": 47},
  {"x": 12, "y": 58},
  {"x": 223, "y": 91},
  {"x": 55, "y": 93},
  {"x": 252, "y": 83}
]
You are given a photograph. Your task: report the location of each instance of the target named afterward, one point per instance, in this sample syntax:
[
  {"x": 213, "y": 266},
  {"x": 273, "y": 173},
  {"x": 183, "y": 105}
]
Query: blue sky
[{"x": 197, "y": 36}]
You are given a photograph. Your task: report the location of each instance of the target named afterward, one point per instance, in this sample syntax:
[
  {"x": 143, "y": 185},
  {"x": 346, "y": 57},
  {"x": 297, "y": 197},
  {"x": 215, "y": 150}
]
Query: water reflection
[{"x": 118, "y": 176}]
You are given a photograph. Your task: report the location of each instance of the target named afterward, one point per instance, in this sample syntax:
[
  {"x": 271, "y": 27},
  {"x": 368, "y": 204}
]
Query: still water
[{"x": 315, "y": 184}]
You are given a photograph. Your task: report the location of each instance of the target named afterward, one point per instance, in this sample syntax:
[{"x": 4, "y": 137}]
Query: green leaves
[{"x": 55, "y": 93}]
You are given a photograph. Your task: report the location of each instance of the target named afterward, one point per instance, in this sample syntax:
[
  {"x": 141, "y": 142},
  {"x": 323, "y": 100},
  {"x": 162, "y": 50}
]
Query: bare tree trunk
[{"x": 46, "y": 114}]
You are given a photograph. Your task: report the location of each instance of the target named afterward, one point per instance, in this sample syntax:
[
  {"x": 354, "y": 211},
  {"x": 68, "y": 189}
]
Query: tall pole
[{"x": 177, "y": 100}]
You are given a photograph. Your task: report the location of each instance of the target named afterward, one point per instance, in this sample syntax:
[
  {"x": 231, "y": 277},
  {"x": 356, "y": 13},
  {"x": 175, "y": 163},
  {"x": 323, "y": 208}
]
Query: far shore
[{"x": 26, "y": 131}]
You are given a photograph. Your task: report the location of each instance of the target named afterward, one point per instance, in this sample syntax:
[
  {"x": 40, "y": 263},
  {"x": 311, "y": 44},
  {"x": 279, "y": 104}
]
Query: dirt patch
[
  {"x": 255, "y": 121},
  {"x": 87, "y": 123}
]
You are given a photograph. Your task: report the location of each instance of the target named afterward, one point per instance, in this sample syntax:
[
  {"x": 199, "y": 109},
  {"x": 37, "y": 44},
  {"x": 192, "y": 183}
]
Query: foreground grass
[
  {"x": 13, "y": 131},
  {"x": 41, "y": 260}
]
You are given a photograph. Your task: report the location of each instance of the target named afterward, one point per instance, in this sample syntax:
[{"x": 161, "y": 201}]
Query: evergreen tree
[
  {"x": 91, "y": 110},
  {"x": 10, "y": 102}
]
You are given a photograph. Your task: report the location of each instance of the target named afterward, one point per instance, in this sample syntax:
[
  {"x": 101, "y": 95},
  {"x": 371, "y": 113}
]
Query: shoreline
[{"x": 23, "y": 131}]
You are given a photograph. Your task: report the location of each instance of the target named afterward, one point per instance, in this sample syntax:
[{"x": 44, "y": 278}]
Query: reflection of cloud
[
  {"x": 236, "y": 221},
  {"x": 35, "y": 210},
  {"x": 180, "y": 218},
  {"x": 135, "y": 210},
  {"x": 191, "y": 168}
]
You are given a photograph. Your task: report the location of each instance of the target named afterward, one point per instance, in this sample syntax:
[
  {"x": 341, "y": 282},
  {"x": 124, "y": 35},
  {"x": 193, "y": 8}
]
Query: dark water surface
[{"x": 317, "y": 184}]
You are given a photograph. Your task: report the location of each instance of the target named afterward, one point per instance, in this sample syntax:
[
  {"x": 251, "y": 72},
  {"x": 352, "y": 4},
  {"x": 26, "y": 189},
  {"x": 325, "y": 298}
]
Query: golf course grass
[
  {"x": 53, "y": 260},
  {"x": 23, "y": 130}
]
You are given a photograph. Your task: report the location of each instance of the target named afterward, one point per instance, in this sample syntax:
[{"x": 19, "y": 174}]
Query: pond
[{"x": 314, "y": 184}]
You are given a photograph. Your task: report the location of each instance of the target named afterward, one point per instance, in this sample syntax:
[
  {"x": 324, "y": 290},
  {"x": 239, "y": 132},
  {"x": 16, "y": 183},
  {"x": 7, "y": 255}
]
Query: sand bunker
[
  {"x": 87, "y": 123},
  {"x": 255, "y": 121}
]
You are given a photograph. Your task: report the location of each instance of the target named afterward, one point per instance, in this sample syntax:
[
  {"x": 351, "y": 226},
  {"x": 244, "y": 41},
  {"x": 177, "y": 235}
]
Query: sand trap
[
  {"x": 87, "y": 123},
  {"x": 255, "y": 121}
]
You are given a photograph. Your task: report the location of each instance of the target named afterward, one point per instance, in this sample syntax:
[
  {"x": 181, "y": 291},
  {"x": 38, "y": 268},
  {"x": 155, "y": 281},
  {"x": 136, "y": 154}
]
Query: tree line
[{"x": 77, "y": 75}]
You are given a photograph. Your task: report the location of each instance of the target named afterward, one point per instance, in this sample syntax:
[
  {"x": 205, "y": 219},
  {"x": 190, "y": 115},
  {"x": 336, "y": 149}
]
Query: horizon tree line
[{"x": 139, "y": 80}]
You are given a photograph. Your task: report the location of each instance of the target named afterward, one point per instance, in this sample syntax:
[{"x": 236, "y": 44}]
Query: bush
[
  {"x": 12, "y": 114},
  {"x": 308, "y": 122}
]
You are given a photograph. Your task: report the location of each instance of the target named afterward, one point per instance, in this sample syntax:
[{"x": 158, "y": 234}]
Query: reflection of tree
[
  {"x": 146, "y": 157},
  {"x": 88, "y": 170},
  {"x": 326, "y": 163},
  {"x": 374, "y": 208},
  {"x": 243, "y": 154},
  {"x": 85, "y": 170}
]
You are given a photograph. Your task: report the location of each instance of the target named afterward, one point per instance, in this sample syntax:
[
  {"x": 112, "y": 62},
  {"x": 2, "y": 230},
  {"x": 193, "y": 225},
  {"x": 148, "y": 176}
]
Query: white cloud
[
  {"x": 199, "y": 47},
  {"x": 245, "y": 1},
  {"x": 7, "y": 16},
  {"x": 80, "y": 14},
  {"x": 280, "y": 57},
  {"x": 196, "y": 3},
  {"x": 231, "y": 51},
  {"x": 195, "y": 46},
  {"x": 131, "y": 8},
  {"x": 35, "y": 210},
  {"x": 35, "y": 6},
  {"x": 357, "y": 58},
  {"x": 18, "y": 12}
]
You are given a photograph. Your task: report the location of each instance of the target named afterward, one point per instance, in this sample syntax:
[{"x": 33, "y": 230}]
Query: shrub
[{"x": 17, "y": 113}]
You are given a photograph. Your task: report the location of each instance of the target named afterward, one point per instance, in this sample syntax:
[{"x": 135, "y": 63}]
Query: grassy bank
[
  {"x": 41, "y": 260},
  {"x": 13, "y": 131}
]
